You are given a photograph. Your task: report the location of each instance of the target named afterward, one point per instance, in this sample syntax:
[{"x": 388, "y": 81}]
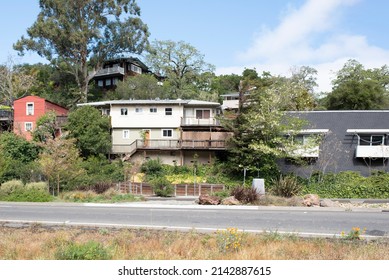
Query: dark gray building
[{"x": 349, "y": 141}]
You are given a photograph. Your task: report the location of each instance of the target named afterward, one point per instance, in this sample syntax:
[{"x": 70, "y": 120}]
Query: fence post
[
  {"x": 175, "y": 190},
  {"x": 186, "y": 189},
  {"x": 141, "y": 188}
]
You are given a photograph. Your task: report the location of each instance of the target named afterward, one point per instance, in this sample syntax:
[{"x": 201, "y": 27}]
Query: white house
[{"x": 177, "y": 131}]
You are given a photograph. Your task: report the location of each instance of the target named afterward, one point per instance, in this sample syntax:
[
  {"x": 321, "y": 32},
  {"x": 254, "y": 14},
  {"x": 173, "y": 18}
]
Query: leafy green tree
[
  {"x": 17, "y": 148},
  {"x": 259, "y": 132},
  {"x": 91, "y": 130},
  {"x": 83, "y": 33},
  {"x": 181, "y": 63},
  {"x": 356, "y": 88},
  {"x": 46, "y": 127},
  {"x": 141, "y": 87}
]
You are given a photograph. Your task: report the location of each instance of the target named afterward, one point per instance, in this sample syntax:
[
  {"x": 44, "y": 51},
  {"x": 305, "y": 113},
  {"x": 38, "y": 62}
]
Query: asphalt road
[{"x": 304, "y": 221}]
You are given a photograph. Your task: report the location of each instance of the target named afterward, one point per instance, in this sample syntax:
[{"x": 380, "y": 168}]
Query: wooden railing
[
  {"x": 110, "y": 70},
  {"x": 199, "y": 122},
  {"x": 162, "y": 144}
]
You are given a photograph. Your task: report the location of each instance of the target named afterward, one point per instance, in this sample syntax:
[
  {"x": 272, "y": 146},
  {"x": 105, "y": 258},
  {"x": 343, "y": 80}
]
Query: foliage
[
  {"x": 29, "y": 195},
  {"x": 286, "y": 186},
  {"x": 91, "y": 250},
  {"x": 356, "y": 88},
  {"x": 110, "y": 196},
  {"x": 46, "y": 127},
  {"x": 98, "y": 30},
  {"x": 229, "y": 240},
  {"x": 15, "y": 82},
  {"x": 9, "y": 187},
  {"x": 99, "y": 187},
  {"x": 152, "y": 168},
  {"x": 60, "y": 162},
  {"x": 99, "y": 169},
  {"x": 162, "y": 187},
  {"x": 354, "y": 234},
  {"x": 16, "y": 147},
  {"x": 181, "y": 63},
  {"x": 40, "y": 186},
  {"x": 348, "y": 184},
  {"x": 91, "y": 130},
  {"x": 245, "y": 195},
  {"x": 145, "y": 86}
]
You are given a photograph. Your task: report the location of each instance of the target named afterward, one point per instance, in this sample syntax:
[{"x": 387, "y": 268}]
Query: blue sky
[{"x": 271, "y": 36}]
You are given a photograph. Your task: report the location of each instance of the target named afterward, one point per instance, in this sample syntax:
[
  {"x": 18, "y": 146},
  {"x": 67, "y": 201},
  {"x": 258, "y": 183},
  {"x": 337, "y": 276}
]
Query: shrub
[
  {"x": 162, "y": 187},
  {"x": 9, "y": 187},
  {"x": 91, "y": 250},
  {"x": 287, "y": 186},
  {"x": 245, "y": 195},
  {"x": 152, "y": 167},
  {"x": 79, "y": 196},
  {"x": 29, "y": 195},
  {"x": 39, "y": 186},
  {"x": 99, "y": 188}
]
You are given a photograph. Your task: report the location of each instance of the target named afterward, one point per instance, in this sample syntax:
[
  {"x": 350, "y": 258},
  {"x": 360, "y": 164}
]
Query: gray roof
[{"x": 152, "y": 102}]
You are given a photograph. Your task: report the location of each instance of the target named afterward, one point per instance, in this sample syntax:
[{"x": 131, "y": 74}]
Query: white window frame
[
  {"x": 126, "y": 134},
  {"x": 28, "y": 124},
  {"x": 138, "y": 110},
  {"x": 168, "y": 111},
  {"x": 153, "y": 110},
  {"x": 167, "y": 132},
  {"x": 124, "y": 111},
  {"x": 28, "y": 113},
  {"x": 136, "y": 69}
]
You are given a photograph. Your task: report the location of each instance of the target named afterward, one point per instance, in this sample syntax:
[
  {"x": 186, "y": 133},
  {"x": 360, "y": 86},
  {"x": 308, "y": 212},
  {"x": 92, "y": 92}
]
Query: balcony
[
  {"x": 5, "y": 115},
  {"x": 193, "y": 121},
  {"x": 162, "y": 144},
  {"x": 379, "y": 151},
  {"x": 115, "y": 70}
]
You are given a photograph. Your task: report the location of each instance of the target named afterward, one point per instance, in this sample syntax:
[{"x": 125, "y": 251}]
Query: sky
[{"x": 274, "y": 36}]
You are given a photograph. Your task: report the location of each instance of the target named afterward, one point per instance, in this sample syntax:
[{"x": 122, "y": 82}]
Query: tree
[
  {"x": 15, "y": 82},
  {"x": 91, "y": 131},
  {"x": 259, "y": 132},
  {"x": 181, "y": 63},
  {"x": 76, "y": 34},
  {"x": 46, "y": 127},
  {"x": 141, "y": 87},
  {"x": 356, "y": 88},
  {"x": 60, "y": 161}
]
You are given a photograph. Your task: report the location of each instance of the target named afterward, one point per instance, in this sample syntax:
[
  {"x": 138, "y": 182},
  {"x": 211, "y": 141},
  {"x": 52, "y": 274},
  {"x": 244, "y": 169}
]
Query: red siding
[{"x": 41, "y": 106}]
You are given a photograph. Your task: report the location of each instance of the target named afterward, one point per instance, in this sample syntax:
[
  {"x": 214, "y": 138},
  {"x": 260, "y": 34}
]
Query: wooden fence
[{"x": 179, "y": 189}]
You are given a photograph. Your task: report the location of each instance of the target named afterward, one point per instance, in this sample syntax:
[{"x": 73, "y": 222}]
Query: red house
[{"x": 27, "y": 111}]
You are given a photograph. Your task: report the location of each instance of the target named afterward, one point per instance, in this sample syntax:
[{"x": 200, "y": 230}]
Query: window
[
  {"x": 115, "y": 81},
  {"x": 136, "y": 69},
  {"x": 126, "y": 134},
  {"x": 371, "y": 140},
  {"x": 138, "y": 110},
  {"x": 30, "y": 108},
  {"x": 105, "y": 112},
  {"x": 123, "y": 111},
  {"x": 153, "y": 110},
  {"x": 167, "y": 133},
  {"x": 168, "y": 111},
  {"x": 28, "y": 126},
  {"x": 108, "y": 82},
  {"x": 203, "y": 114},
  {"x": 100, "y": 83}
]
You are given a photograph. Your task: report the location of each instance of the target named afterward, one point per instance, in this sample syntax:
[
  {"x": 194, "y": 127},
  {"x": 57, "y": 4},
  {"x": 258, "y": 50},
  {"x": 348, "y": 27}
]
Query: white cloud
[{"x": 294, "y": 42}]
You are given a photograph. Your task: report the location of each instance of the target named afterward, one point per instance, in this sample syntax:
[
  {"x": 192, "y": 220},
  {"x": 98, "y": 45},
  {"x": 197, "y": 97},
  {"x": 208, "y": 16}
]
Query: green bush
[
  {"x": 152, "y": 167},
  {"x": 40, "y": 186},
  {"x": 11, "y": 186},
  {"x": 286, "y": 186},
  {"x": 162, "y": 187},
  {"x": 91, "y": 250},
  {"x": 31, "y": 195},
  {"x": 350, "y": 184}
]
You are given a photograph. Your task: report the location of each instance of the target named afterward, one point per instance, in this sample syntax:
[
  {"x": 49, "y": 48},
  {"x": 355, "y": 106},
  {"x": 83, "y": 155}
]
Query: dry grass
[{"x": 37, "y": 242}]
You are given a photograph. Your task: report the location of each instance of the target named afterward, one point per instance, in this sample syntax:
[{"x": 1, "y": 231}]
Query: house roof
[
  {"x": 342, "y": 121},
  {"x": 48, "y": 101},
  {"x": 152, "y": 102},
  {"x": 133, "y": 60}
]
